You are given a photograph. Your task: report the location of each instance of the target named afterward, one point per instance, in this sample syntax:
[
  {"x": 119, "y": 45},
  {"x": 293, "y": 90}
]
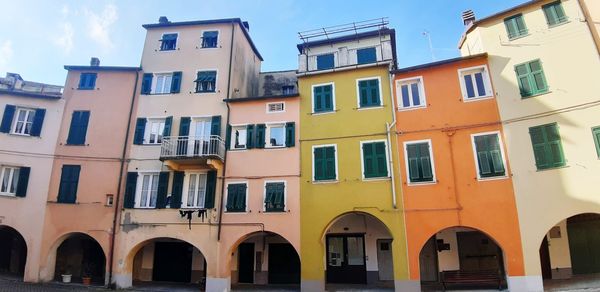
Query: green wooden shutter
[
  {"x": 427, "y": 172},
  {"x": 419, "y": 162},
  {"x": 23, "y": 181},
  {"x": 274, "y": 199},
  {"x": 511, "y": 28},
  {"x": 596, "y": 134},
  {"x": 318, "y": 99},
  {"x": 177, "y": 190},
  {"x": 290, "y": 134},
  {"x": 381, "y": 159},
  {"x": 554, "y": 148},
  {"x": 319, "y": 163},
  {"x": 140, "y": 128},
  {"x": 147, "y": 83},
  {"x": 38, "y": 121},
  {"x": 489, "y": 155},
  {"x": 176, "y": 82},
  {"x": 161, "y": 193},
  {"x": 539, "y": 147},
  {"x": 330, "y": 171},
  {"x": 323, "y": 98},
  {"x": 130, "y": 186},
  {"x": 547, "y": 146},
  {"x": 483, "y": 159},
  {"x": 375, "y": 160},
  {"x": 538, "y": 79},
  {"x": 260, "y": 136},
  {"x": 184, "y": 126},
  {"x": 167, "y": 128},
  {"x": 228, "y": 137},
  {"x": 363, "y": 89},
  {"x": 523, "y": 77},
  {"x": 69, "y": 180},
  {"x": 368, "y": 160},
  {"x": 236, "y": 198},
  {"x": 240, "y": 202},
  {"x": 249, "y": 136},
  {"x": 215, "y": 126},
  {"x": 211, "y": 187},
  {"x": 554, "y": 13},
  {"x": 7, "y": 118}
]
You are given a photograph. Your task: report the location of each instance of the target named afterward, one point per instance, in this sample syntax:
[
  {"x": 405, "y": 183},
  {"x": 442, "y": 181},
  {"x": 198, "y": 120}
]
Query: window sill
[
  {"x": 204, "y": 92},
  {"x": 275, "y": 212},
  {"x": 325, "y": 181},
  {"x": 416, "y": 184},
  {"x": 323, "y": 113},
  {"x": 170, "y": 50},
  {"x": 370, "y": 179},
  {"x": 275, "y": 147},
  {"x": 552, "y": 168},
  {"x": 364, "y": 108},
  {"x": 21, "y": 135},
  {"x": 472, "y": 99},
  {"x": 82, "y": 88},
  {"x": 67, "y": 144},
  {"x": 208, "y": 48},
  {"x": 238, "y": 212},
  {"x": 535, "y": 95},
  {"x": 550, "y": 26},
  {"x": 518, "y": 37},
  {"x": 411, "y": 108},
  {"x": 148, "y": 144},
  {"x": 159, "y": 94},
  {"x": 8, "y": 195},
  {"x": 238, "y": 149},
  {"x": 492, "y": 178}
]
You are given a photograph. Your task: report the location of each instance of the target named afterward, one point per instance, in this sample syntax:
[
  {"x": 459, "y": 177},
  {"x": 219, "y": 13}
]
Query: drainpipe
[
  {"x": 450, "y": 134},
  {"x": 118, "y": 198},
  {"x": 590, "y": 23},
  {"x": 388, "y": 128},
  {"x": 227, "y": 123}
]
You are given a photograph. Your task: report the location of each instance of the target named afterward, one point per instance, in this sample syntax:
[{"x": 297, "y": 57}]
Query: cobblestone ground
[{"x": 10, "y": 284}]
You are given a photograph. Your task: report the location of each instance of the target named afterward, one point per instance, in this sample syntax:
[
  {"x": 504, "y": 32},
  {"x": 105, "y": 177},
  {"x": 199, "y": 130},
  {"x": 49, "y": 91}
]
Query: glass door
[
  {"x": 200, "y": 132},
  {"x": 346, "y": 259}
]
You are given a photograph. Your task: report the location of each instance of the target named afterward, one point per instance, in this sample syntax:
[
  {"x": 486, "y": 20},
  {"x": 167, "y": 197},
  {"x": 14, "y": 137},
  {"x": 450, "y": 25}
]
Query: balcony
[
  {"x": 345, "y": 57},
  {"x": 180, "y": 151}
]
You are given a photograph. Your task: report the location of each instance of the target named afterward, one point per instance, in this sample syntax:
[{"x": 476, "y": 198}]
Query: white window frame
[
  {"x": 3, "y": 169},
  {"x": 148, "y": 129},
  {"x": 186, "y": 188},
  {"x": 362, "y": 160},
  {"x": 155, "y": 83},
  {"x": 285, "y": 206},
  {"x": 232, "y": 142},
  {"x": 501, "y": 146},
  {"x": 337, "y": 173},
  {"x": 202, "y": 39},
  {"x": 489, "y": 92},
  {"x": 268, "y": 127},
  {"x": 160, "y": 42},
  {"x": 28, "y": 112},
  {"x": 358, "y": 93},
  {"x": 431, "y": 158},
  {"x": 227, "y": 195},
  {"x": 275, "y": 112},
  {"x": 422, "y": 97},
  {"x": 139, "y": 186},
  {"x": 216, "y": 80},
  {"x": 312, "y": 98}
]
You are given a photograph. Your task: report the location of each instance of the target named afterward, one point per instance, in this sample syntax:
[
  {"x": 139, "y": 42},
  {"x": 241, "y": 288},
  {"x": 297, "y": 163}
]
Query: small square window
[
  {"x": 209, "y": 39},
  {"x": 475, "y": 83},
  {"x": 23, "y": 121},
  {"x": 168, "y": 42},
  {"x": 323, "y": 98},
  {"x": 238, "y": 137},
  {"x": 411, "y": 93},
  {"x": 276, "y": 135},
  {"x": 276, "y": 107},
  {"x": 368, "y": 93},
  {"x": 87, "y": 81},
  {"x": 325, "y": 62}
]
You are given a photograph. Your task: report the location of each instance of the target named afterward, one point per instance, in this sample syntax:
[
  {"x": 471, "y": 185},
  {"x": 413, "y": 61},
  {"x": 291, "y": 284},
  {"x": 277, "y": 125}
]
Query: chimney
[
  {"x": 163, "y": 20},
  {"x": 94, "y": 62},
  {"x": 468, "y": 17},
  {"x": 246, "y": 25}
]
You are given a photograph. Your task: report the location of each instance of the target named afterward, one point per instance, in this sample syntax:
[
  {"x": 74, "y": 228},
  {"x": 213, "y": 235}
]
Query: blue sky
[{"x": 39, "y": 37}]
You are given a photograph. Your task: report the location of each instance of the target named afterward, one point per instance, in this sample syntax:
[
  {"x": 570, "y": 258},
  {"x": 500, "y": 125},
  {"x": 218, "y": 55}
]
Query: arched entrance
[
  {"x": 461, "y": 257},
  {"x": 265, "y": 258},
  {"x": 80, "y": 256},
  {"x": 358, "y": 250},
  {"x": 169, "y": 261},
  {"x": 13, "y": 252},
  {"x": 571, "y": 250}
]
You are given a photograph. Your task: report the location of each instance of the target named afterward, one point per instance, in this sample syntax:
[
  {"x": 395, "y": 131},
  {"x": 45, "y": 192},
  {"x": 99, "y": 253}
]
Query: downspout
[
  {"x": 388, "y": 128},
  {"x": 590, "y": 23},
  {"x": 120, "y": 181},
  {"x": 450, "y": 134},
  {"x": 226, "y": 123}
]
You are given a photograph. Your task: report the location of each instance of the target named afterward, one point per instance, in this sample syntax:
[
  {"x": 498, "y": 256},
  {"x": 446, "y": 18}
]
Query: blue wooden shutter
[
  {"x": 73, "y": 128},
  {"x": 23, "y": 181},
  {"x": 215, "y": 126},
  {"x": 259, "y": 142},
  {"x": 78, "y": 127},
  {"x": 130, "y": 186},
  {"x": 249, "y": 136},
  {"x": 7, "y": 118},
  {"x": 69, "y": 180},
  {"x": 161, "y": 193},
  {"x": 140, "y": 128},
  {"x": 177, "y": 190},
  {"x": 147, "y": 83},
  {"x": 228, "y": 137},
  {"x": 211, "y": 187},
  {"x": 38, "y": 121},
  {"x": 290, "y": 134},
  {"x": 231, "y": 194},
  {"x": 176, "y": 82},
  {"x": 365, "y": 56},
  {"x": 184, "y": 132},
  {"x": 168, "y": 125}
]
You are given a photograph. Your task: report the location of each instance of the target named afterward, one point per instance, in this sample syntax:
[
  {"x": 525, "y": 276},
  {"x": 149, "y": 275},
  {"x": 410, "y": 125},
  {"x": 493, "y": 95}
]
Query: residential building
[
  {"x": 31, "y": 114},
  {"x": 88, "y": 168},
  {"x": 352, "y": 228},
  {"x": 179, "y": 150},
  {"x": 459, "y": 204},
  {"x": 550, "y": 120}
]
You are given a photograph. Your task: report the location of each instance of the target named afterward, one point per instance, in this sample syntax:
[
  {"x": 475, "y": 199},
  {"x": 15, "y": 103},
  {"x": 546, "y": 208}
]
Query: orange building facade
[{"x": 454, "y": 172}]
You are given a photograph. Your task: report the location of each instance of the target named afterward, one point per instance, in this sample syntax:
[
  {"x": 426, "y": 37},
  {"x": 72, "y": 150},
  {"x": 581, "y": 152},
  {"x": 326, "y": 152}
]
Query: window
[
  {"x": 275, "y": 197},
  {"x": 324, "y": 163},
  {"x": 287, "y": 89},
  {"x": 154, "y": 131},
  {"x": 323, "y": 98},
  {"x": 488, "y": 155},
  {"x": 163, "y": 83},
  {"x": 10, "y": 179},
  {"x": 236, "y": 197},
  {"x": 206, "y": 81},
  {"x": 554, "y": 13},
  {"x": 196, "y": 190},
  {"x": 365, "y": 56},
  {"x": 475, "y": 83},
  {"x": 148, "y": 190},
  {"x": 411, "y": 93},
  {"x": 326, "y": 61},
  {"x": 596, "y": 133},
  {"x": 515, "y": 26},
  {"x": 168, "y": 42},
  {"x": 275, "y": 107},
  {"x": 275, "y": 135},
  {"x": 368, "y": 93},
  {"x": 69, "y": 180},
  {"x": 78, "y": 128},
  {"x": 87, "y": 81},
  {"x": 209, "y": 39},
  {"x": 24, "y": 121},
  {"x": 239, "y": 134},
  {"x": 419, "y": 161},
  {"x": 547, "y": 146},
  {"x": 374, "y": 159},
  {"x": 532, "y": 80}
]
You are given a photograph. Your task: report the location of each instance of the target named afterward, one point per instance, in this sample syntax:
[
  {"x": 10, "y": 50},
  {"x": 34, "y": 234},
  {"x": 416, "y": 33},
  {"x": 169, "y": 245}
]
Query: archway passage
[
  {"x": 570, "y": 252},
  {"x": 13, "y": 252},
  {"x": 166, "y": 260},
  {"x": 359, "y": 251},
  {"x": 80, "y": 256},
  {"x": 265, "y": 258},
  {"x": 461, "y": 257}
]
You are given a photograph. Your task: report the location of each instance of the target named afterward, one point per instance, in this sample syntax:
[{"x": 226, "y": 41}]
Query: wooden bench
[{"x": 472, "y": 278}]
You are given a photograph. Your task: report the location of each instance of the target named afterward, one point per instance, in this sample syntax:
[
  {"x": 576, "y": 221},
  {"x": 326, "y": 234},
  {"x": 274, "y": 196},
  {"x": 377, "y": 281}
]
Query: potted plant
[
  {"x": 66, "y": 277},
  {"x": 86, "y": 277}
]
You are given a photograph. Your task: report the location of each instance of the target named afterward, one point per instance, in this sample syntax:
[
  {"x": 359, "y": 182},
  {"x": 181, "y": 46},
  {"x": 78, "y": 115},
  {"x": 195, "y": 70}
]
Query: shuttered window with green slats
[
  {"x": 236, "y": 197},
  {"x": 368, "y": 93},
  {"x": 547, "y": 146},
  {"x": 275, "y": 197},
  {"x": 515, "y": 26},
  {"x": 555, "y": 14},
  {"x": 325, "y": 165},
  {"x": 374, "y": 160},
  {"x": 489, "y": 156},
  {"x": 531, "y": 78},
  {"x": 596, "y": 133},
  {"x": 323, "y": 98},
  {"x": 420, "y": 167}
]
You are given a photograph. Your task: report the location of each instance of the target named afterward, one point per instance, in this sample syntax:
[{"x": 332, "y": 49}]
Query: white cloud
[
  {"x": 6, "y": 54},
  {"x": 99, "y": 25}
]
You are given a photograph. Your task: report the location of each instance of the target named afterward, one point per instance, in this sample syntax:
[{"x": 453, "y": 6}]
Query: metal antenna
[{"x": 428, "y": 36}]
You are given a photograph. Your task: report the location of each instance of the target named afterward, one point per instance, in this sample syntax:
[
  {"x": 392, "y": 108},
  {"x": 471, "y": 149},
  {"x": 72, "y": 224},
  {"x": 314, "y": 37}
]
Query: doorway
[
  {"x": 246, "y": 263},
  {"x": 172, "y": 262},
  {"x": 346, "y": 259},
  {"x": 428, "y": 261},
  {"x": 384, "y": 260},
  {"x": 545, "y": 259},
  {"x": 284, "y": 264}
]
